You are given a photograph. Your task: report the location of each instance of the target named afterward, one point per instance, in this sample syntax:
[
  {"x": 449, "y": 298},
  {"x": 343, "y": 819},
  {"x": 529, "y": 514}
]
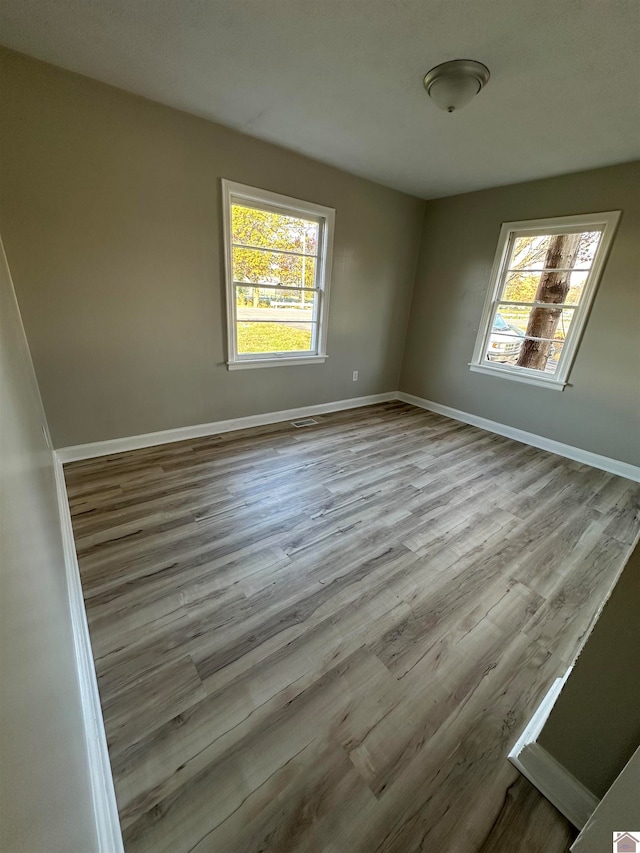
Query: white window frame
[
  {"x": 325, "y": 216},
  {"x": 607, "y": 223}
]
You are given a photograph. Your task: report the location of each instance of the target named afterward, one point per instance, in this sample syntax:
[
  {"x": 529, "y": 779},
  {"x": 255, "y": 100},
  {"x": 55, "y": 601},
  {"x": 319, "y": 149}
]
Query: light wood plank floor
[
  {"x": 328, "y": 638},
  {"x": 528, "y": 823}
]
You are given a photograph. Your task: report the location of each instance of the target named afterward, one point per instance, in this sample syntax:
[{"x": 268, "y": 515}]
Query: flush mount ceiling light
[{"x": 453, "y": 84}]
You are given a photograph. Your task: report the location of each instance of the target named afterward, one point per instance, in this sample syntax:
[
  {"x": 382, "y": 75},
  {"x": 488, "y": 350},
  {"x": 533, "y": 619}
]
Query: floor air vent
[{"x": 304, "y": 422}]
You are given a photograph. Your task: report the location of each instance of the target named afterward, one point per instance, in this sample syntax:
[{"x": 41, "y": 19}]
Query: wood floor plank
[
  {"x": 528, "y": 822},
  {"x": 328, "y": 639}
]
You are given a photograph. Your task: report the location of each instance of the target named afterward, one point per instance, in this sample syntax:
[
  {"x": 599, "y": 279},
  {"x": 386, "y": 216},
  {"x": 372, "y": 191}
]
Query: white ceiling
[{"x": 341, "y": 80}]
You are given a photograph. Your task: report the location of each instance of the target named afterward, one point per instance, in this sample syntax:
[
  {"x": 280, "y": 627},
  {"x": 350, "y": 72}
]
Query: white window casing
[
  {"x": 263, "y": 200},
  {"x": 606, "y": 224}
]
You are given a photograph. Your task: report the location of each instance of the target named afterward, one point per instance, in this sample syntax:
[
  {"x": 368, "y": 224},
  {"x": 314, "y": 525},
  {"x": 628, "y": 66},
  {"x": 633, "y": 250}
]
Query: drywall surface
[
  {"x": 111, "y": 217},
  {"x": 45, "y": 797},
  {"x": 594, "y": 727},
  {"x": 600, "y": 411},
  {"x": 618, "y": 812}
]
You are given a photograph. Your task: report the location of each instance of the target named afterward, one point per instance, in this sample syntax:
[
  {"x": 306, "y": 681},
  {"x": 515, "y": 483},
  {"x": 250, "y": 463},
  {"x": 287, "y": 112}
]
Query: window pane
[
  {"x": 512, "y": 339},
  {"x": 511, "y": 319},
  {"x": 562, "y": 326},
  {"x": 540, "y": 355},
  {"x": 521, "y": 287},
  {"x": 274, "y": 337},
  {"x": 507, "y": 334},
  {"x": 273, "y": 268},
  {"x": 559, "y": 287},
  {"x": 529, "y": 252},
  {"x": 587, "y": 248},
  {"x": 577, "y": 281},
  {"x": 553, "y": 358},
  {"x": 263, "y": 303},
  {"x": 532, "y": 253},
  {"x": 549, "y": 322},
  {"x": 255, "y": 227}
]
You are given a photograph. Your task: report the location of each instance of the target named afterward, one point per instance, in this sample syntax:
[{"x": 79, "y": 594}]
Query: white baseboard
[
  {"x": 604, "y": 463},
  {"x": 554, "y": 781},
  {"x": 121, "y": 445},
  {"x": 107, "y": 822},
  {"x": 536, "y": 723},
  {"x": 78, "y": 452}
]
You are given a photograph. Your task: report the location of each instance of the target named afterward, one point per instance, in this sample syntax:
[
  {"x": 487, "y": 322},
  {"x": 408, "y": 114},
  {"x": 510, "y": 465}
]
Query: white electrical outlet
[{"x": 355, "y": 375}]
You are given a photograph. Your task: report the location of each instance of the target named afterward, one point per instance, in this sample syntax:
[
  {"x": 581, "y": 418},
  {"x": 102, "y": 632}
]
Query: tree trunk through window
[{"x": 553, "y": 288}]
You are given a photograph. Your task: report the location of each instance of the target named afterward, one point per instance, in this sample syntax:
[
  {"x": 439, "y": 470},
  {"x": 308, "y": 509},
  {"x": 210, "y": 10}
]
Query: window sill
[
  {"x": 517, "y": 376},
  {"x": 246, "y": 364}
]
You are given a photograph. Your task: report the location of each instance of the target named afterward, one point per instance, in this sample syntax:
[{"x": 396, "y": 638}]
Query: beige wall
[
  {"x": 594, "y": 726},
  {"x": 45, "y": 799},
  {"x": 599, "y": 412},
  {"x": 111, "y": 219},
  {"x": 110, "y": 210}
]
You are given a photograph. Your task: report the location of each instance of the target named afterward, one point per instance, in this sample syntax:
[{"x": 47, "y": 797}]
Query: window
[
  {"x": 278, "y": 270},
  {"x": 543, "y": 282}
]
